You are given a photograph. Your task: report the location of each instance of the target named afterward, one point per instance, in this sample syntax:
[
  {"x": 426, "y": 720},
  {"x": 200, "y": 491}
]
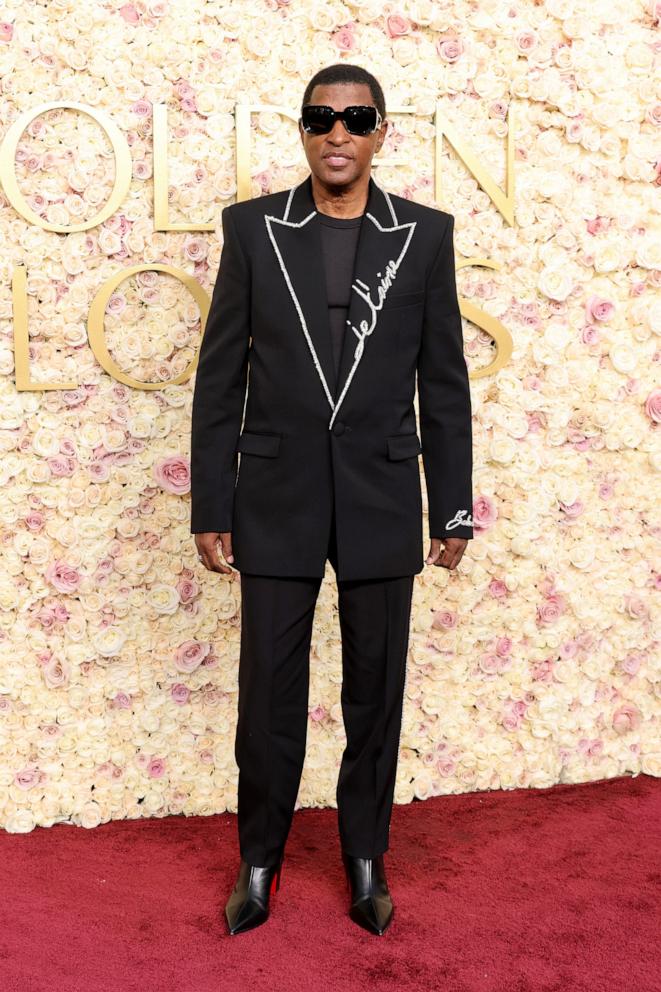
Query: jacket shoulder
[
  {"x": 408, "y": 209},
  {"x": 257, "y": 206}
]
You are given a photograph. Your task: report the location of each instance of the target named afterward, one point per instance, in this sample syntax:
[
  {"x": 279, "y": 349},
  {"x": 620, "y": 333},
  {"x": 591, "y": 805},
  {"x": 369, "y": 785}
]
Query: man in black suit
[{"x": 333, "y": 295}]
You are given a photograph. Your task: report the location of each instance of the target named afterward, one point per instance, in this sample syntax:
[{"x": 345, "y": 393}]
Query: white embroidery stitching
[
  {"x": 289, "y": 199},
  {"x": 390, "y": 206},
  {"x": 294, "y": 297},
  {"x": 360, "y": 287},
  {"x": 384, "y": 285},
  {"x": 456, "y": 520}
]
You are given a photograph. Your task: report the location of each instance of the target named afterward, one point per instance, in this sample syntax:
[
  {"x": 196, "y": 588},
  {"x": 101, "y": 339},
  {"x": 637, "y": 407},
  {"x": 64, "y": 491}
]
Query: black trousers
[{"x": 276, "y": 632}]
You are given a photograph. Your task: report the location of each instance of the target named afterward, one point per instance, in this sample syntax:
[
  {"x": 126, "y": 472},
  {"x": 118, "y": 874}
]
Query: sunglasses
[{"x": 317, "y": 119}]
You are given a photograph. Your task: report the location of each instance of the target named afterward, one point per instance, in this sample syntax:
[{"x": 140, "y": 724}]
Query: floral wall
[{"x": 536, "y": 662}]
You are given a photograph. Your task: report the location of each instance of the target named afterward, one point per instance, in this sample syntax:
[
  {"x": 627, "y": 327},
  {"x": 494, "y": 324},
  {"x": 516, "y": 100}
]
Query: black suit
[
  {"x": 328, "y": 471},
  {"x": 308, "y": 443}
]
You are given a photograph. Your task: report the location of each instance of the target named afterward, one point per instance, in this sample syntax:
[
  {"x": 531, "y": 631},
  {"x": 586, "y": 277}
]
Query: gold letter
[
  {"x": 8, "y": 174},
  {"x": 503, "y": 202},
  {"x": 96, "y": 329},
  {"x": 21, "y": 337}
]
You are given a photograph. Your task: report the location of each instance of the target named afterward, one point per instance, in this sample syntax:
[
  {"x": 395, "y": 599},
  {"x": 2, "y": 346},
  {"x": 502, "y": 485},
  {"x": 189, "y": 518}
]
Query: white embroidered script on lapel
[{"x": 359, "y": 286}]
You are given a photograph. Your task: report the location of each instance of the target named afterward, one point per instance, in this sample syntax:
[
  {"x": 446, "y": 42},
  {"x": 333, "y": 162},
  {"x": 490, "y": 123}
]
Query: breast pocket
[
  {"x": 396, "y": 300},
  {"x": 402, "y": 446},
  {"x": 252, "y": 443}
]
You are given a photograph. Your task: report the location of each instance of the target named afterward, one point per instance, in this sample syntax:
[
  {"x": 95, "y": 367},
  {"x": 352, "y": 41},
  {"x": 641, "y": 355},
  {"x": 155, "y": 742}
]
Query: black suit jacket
[{"x": 309, "y": 442}]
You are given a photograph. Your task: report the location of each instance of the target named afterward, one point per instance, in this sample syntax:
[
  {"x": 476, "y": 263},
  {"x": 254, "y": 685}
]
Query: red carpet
[{"x": 529, "y": 890}]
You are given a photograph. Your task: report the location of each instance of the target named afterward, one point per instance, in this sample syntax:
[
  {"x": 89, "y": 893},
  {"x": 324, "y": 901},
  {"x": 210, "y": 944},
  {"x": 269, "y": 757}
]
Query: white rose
[
  {"x": 555, "y": 282},
  {"x": 109, "y": 641},
  {"x": 164, "y": 599}
]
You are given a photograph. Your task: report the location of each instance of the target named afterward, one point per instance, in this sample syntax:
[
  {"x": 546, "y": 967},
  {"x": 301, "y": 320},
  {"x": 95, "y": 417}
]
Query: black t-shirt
[{"x": 339, "y": 238}]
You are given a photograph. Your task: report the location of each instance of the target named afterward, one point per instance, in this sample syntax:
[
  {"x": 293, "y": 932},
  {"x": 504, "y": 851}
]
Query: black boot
[
  {"x": 371, "y": 905},
  {"x": 248, "y": 905}
]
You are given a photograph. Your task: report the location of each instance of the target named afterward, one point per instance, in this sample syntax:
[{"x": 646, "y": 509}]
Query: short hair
[{"x": 345, "y": 72}]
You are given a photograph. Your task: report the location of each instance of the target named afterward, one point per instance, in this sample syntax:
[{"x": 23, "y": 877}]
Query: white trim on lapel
[
  {"x": 359, "y": 286},
  {"x": 363, "y": 290},
  {"x": 290, "y": 223}
]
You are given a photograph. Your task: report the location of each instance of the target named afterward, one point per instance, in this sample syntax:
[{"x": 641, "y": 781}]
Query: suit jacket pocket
[
  {"x": 403, "y": 446},
  {"x": 259, "y": 444},
  {"x": 393, "y": 300}
]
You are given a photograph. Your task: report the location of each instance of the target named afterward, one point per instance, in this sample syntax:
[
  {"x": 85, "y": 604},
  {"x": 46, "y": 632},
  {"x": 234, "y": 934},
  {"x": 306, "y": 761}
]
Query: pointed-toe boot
[
  {"x": 248, "y": 905},
  {"x": 371, "y": 905}
]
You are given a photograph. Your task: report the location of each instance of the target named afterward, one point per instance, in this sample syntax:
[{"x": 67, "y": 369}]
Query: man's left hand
[{"x": 448, "y": 556}]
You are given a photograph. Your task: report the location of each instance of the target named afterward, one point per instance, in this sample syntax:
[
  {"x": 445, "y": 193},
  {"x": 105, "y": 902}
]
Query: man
[{"x": 333, "y": 294}]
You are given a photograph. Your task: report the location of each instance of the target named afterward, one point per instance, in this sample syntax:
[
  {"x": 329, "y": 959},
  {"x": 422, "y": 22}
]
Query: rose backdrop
[{"x": 536, "y": 662}]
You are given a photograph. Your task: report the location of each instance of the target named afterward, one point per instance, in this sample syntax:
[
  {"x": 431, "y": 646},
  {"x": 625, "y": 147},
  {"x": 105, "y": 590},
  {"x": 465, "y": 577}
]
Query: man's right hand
[{"x": 207, "y": 548}]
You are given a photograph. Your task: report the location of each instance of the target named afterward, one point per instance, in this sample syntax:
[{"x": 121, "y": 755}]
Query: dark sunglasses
[{"x": 317, "y": 119}]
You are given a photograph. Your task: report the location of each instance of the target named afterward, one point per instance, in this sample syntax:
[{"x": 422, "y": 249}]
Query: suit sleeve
[
  {"x": 445, "y": 402},
  {"x": 220, "y": 389}
]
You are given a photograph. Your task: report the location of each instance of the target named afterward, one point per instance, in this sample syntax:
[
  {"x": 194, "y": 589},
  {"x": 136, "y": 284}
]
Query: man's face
[{"x": 339, "y": 158}]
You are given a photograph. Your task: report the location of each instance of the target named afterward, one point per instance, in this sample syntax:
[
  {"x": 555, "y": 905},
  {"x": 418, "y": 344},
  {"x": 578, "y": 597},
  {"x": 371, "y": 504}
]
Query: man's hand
[
  {"x": 207, "y": 549},
  {"x": 448, "y": 556}
]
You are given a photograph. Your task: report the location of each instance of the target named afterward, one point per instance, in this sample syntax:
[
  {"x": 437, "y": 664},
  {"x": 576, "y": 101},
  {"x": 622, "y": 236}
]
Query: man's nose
[{"x": 338, "y": 132}]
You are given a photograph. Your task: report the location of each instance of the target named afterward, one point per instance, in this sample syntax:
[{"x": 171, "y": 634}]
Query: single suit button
[{"x": 338, "y": 428}]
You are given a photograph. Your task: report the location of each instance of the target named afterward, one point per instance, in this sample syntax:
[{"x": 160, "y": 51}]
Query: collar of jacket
[{"x": 382, "y": 245}]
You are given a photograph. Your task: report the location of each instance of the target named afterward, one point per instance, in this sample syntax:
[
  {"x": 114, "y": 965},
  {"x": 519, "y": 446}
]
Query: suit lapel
[{"x": 382, "y": 246}]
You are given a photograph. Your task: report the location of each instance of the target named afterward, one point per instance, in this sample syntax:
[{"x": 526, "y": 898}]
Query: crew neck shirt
[{"x": 339, "y": 240}]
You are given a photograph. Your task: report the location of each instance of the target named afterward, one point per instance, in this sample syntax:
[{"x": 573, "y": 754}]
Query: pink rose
[
  {"x": 396, "y": 25},
  {"x": 653, "y": 406},
  {"x": 121, "y": 701},
  {"x": 626, "y": 718},
  {"x": 597, "y": 308},
  {"x": 572, "y": 510},
  {"x": 190, "y": 655},
  {"x": 156, "y": 768},
  {"x": 61, "y": 466},
  {"x": 636, "y": 607},
  {"x": 173, "y": 474},
  {"x": 99, "y": 471},
  {"x": 317, "y": 713},
  {"x": 542, "y": 671},
  {"x": 55, "y": 674},
  {"x": 446, "y": 619},
  {"x": 195, "y": 248},
  {"x": 605, "y": 490},
  {"x": 344, "y": 38},
  {"x": 28, "y": 778},
  {"x": 34, "y": 520},
  {"x": 497, "y": 588},
  {"x": 449, "y": 49},
  {"x": 6, "y": 31},
  {"x": 525, "y": 41},
  {"x": 484, "y": 513},
  {"x": 129, "y": 13},
  {"x": 142, "y": 108},
  {"x": 551, "y": 609},
  {"x": 63, "y": 576},
  {"x": 187, "y": 589},
  {"x": 180, "y": 694},
  {"x": 590, "y": 334},
  {"x": 591, "y": 748},
  {"x": 594, "y": 225},
  {"x": 489, "y": 664}
]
